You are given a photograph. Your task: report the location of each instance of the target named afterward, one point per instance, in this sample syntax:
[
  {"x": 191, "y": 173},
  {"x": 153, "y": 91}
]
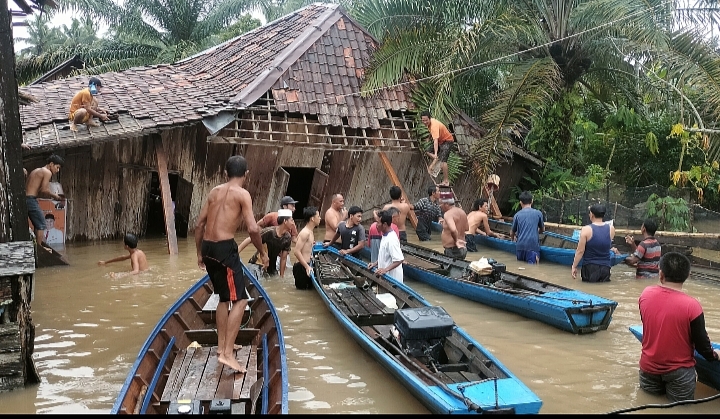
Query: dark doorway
[
  {"x": 156, "y": 217},
  {"x": 301, "y": 179}
]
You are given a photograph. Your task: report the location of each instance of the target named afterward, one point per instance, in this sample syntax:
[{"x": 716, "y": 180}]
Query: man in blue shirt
[{"x": 526, "y": 227}]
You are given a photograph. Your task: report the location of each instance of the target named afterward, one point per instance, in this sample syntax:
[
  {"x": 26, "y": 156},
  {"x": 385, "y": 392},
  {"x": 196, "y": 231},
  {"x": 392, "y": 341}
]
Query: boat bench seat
[
  {"x": 362, "y": 306},
  {"x": 208, "y": 311},
  {"x": 196, "y": 374}
]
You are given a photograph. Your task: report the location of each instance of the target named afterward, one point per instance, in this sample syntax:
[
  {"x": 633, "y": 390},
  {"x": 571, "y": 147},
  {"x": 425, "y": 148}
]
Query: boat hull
[
  {"x": 511, "y": 392},
  {"x": 708, "y": 372}
]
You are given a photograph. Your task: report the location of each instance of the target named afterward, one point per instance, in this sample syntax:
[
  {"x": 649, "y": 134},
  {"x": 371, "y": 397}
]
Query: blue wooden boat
[
  {"x": 565, "y": 308},
  {"x": 177, "y": 370},
  {"x": 708, "y": 372},
  {"x": 438, "y": 362},
  {"x": 554, "y": 247}
]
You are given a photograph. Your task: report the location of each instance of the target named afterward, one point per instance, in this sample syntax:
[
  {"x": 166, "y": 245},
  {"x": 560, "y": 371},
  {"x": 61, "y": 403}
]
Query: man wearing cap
[
  {"x": 84, "y": 106},
  {"x": 270, "y": 219},
  {"x": 351, "y": 233},
  {"x": 278, "y": 240},
  {"x": 454, "y": 227}
]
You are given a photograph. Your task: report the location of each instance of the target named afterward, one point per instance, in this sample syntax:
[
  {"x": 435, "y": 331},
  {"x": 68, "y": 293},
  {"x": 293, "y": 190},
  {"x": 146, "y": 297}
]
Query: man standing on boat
[
  {"x": 645, "y": 256},
  {"x": 350, "y": 233},
  {"x": 303, "y": 249},
  {"x": 454, "y": 227},
  {"x": 390, "y": 256},
  {"x": 673, "y": 329},
  {"x": 526, "y": 228},
  {"x": 226, "y": 207},
  {"x": 594, "y": 246},
  {"x": 427, "y": 210}
]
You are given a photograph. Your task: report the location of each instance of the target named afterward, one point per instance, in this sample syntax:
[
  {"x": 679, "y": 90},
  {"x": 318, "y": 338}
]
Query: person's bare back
[
  {"x": 404, "y": 211},
  {"x": 334, "y": 215},
  {"x": 138, "y": 259},
  {"x": 225, "y": 206},
  {"x": 456, "y": 219}
]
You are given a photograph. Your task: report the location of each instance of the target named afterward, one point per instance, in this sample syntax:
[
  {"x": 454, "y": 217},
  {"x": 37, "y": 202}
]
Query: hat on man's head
[
  {"x": 284, "y": 213},
  {"x": 286, "y": 200},
  {"x": 447, "y": 197}
]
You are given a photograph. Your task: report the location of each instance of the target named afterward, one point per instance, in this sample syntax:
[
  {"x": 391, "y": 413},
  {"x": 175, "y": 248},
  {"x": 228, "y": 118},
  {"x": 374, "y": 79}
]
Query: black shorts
[
  {"x": 470, "y": 243},
  {"x": 302, "y": 280},
  {"x": 225, "y": 269},
  {"x": 443, "y": 150},
  {"x": 456, "y": 252},
  {"x": 403, "y": 236},
  {"x": 595, "y": 273}
]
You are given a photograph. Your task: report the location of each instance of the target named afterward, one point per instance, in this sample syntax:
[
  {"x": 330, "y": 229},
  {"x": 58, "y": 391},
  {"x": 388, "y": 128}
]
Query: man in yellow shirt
[
  {"x": 84, "y": 106},
  {"x": 439, "y": 151}
]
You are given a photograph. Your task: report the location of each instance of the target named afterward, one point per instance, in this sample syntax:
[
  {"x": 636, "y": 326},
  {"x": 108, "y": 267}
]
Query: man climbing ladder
[{"x": 439, "y": 151}]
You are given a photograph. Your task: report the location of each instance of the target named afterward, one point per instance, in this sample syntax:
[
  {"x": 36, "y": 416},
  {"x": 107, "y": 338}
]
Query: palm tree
[
  {"x": 505, "y": 62},
  {"x": 41, "y": 37}
]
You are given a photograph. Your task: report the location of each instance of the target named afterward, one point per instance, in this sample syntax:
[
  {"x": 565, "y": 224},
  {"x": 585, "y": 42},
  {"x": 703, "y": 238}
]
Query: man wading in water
[{"x": 226, "y": 206}]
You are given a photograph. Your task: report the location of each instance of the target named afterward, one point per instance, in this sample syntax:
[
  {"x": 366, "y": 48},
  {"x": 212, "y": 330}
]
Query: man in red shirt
[{"x": 673, "y": 329}]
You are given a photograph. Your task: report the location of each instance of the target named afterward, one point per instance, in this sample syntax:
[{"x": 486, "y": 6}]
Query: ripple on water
[
  {"x": 316, "y": 405},
  {"x": 300, "y": 395},
  {"x": 333, "y": 379}
]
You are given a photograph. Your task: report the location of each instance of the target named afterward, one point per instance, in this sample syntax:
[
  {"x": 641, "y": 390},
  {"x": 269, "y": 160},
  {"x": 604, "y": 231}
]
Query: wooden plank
[
  {"x": 349, "y": 297},
  {"x": 166, "y": 196},
  {"x": 394, "y": 178},
  {"x": 209, "y": 336},
  {"x": 191, "y": 383},
  {"x": 177, "y": 374},
  {"x": 227, "y": 381},
  {"x": 17, "y": 258},
  {"x": 210, "y": 376},
  {"x": 250, "y": 376}
]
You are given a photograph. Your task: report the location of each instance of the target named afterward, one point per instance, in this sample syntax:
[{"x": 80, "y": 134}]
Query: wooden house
[{"x": 284, "y": 95}]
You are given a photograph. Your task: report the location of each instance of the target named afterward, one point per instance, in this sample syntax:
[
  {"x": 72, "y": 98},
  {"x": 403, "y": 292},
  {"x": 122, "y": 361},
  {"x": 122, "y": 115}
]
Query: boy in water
[{"x": 138, "y": 261}]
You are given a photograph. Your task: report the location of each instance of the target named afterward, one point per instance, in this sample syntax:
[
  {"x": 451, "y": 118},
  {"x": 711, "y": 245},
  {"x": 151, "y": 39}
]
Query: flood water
[{"x": 90, "y": 327}]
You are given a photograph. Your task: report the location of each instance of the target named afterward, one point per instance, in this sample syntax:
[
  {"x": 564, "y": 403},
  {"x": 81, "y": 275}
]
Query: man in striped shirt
[{"x": 646, "y": 255}]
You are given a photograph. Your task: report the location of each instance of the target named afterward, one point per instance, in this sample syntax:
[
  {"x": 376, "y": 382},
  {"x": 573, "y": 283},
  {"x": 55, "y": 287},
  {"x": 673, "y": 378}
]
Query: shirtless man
[
  {"x": 226, "y": 207},
  {"x": 454, "y": 225},
  {"x": 303, "y": 249},
  {"x": 478, "y": 222},
  {"x": 38, "y": 184},
  {"x": 333, "y": 216},
  {"x": 403, "y": 208},
  {"x": 138, "y": 261}
]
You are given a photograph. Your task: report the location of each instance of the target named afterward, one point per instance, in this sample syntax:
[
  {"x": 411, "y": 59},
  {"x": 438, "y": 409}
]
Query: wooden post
[
  {"x": 17, "y": 257},
  {"x": 393, "y": 177},
  {"x": 166, "y": 196}
]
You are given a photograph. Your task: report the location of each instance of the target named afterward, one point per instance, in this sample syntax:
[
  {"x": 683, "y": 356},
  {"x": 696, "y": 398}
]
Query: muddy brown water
[{"x": 90, "y": 327}]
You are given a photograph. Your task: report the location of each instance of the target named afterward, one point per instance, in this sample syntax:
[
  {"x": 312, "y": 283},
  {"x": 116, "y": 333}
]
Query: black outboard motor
[{"x": 422, "y": 330}]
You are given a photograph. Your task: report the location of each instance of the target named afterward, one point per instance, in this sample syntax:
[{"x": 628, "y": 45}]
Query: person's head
[
  {"x": 650, "y": 226},
  {"x": 425, "y": 118},
  {"x": 236, "y": 167},
  {"x": 338, "y": 201},
  {"x": 49, "y": 221},
  {"x": 355, "y": 215},
  {"x": 95, "y": 85},
  {"x": 674, "y": 267},
  {"x": 395, "y": 193},
  {"x": 311, "y": 214},
  {"x": 479, "y": 204},
  {"x": 130, "y": 241},
  {"x": 432, "y": 190},
  {"x": 284, "y": 216},
  {"x": 54, "y": 163},
  {"x": 394, "y": 214},
  {"x": 597, "y": 211},
  {"x": 288, "y": 203},
  {"x": 526, "y": 198},
  {"x": 447, "y": 200},
  {"x": 386, "y": 221}
]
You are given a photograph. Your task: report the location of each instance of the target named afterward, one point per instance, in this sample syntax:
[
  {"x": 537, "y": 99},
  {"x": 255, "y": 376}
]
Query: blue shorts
[
  {"x": 529, "y": 256},
  {"x": 35, "y": 213}
]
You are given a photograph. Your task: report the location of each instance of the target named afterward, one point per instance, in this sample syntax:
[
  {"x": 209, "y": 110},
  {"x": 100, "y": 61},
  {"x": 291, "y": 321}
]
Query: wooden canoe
[
  {"x": 565, "y": 308},
  {"x": 452, "y": 373},
  {"x": 708, "y": 372},
  {"x": 554, "y": 247},
  {"x": 177, "y": 367}
]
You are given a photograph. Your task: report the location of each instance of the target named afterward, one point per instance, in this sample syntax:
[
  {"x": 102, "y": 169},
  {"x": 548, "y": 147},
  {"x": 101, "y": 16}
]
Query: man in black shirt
[{"x": 351, "y": 233}]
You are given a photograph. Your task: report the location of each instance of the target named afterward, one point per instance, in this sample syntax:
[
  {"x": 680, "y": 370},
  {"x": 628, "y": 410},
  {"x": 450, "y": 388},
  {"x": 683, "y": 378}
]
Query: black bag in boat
[{"x": 422, "y": 323}]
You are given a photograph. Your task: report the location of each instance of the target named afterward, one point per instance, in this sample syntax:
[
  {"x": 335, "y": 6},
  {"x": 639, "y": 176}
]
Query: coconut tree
[{"x": 505, "y": 62}]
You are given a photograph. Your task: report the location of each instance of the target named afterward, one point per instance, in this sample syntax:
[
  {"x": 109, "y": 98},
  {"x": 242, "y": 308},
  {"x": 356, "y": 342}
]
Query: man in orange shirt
[
  {"x": 439, "y": 151},
  {"x": 84, "y": 106}
]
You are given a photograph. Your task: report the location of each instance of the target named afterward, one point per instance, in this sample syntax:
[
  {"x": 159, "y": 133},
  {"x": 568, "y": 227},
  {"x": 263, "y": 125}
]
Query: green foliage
[{"x": 673, "y": 213}]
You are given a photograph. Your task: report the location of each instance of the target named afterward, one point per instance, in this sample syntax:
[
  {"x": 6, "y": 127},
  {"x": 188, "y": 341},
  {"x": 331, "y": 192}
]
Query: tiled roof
[{"x": 317, "y": 52}]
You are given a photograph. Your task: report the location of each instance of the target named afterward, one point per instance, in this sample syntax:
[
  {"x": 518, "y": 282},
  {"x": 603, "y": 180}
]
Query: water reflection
[{"x": 89, "y": 328}]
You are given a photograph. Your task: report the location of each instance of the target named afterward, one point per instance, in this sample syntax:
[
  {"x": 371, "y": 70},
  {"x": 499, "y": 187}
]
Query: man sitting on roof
[{"x": 84, "y": 106}]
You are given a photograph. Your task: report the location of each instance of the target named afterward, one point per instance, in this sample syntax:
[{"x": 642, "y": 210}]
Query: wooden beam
[
  {"x": 394, "y": 178},
  {"x": 166, "y": 196},
  {"x": 308, "y": 145}
]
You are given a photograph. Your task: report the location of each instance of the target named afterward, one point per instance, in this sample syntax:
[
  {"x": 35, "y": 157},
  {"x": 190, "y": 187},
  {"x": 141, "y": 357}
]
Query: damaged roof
[{"x": 312, "y": 60}]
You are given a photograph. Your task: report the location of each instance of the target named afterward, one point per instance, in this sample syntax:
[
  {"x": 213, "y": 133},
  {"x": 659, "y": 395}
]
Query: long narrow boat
[
  {"x": 565, "y": 308},
  {"x": 177, "y": 370},
  {"x": 554, "y": 247},
  {"x": 708, "y": 372},
  {"x": 438, "y": 362},
  {"x": 701, "y": 268}
]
